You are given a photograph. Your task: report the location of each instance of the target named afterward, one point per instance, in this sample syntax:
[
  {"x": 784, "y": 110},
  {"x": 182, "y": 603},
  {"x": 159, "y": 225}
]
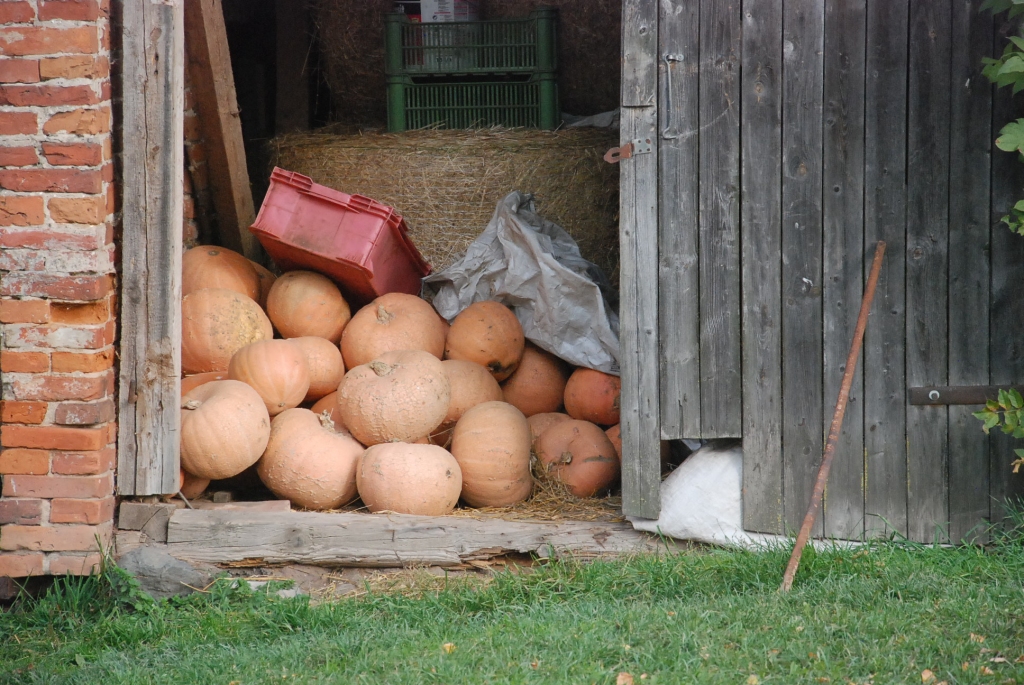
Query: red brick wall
[
  {"x": 57, "y": 298},
  {"x": 198, "y": 199}
]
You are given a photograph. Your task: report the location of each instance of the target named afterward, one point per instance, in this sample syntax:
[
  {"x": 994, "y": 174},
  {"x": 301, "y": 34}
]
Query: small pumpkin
[
  {"x": 328, "y": 405},
  {"x": 537, "y": 386},
  {"x": 491, "y": 442},
  {"x": 409, "y": 479},
  {"x": 307, "y": 303},
  {"x": 216, "y": 323},
  {"x": 400, "y": 396},
  {"x": 541, "y": 422},
  {"x": 579, "y": 454},
  {"x": 395, "y": 321},
  {"x": 224, "y": 429},
  {"x": 191, "y": 486},
  {"x": 308, "y": 462},
  {"x": 189, "y": 383},
  {"x": 326, "y": 368},
  {"x": 489, "y": 334},
  {"x": 209, "y": 266},
  {"x": 266, "y": 278},
  {"x": 471, "y": 384},
  {"x": 276, "y": 369},
  {"x": 593, "y": 396}
]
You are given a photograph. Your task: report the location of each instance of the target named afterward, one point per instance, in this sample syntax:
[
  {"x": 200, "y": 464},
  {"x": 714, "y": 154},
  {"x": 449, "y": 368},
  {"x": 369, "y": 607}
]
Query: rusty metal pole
[{"x": 837, "y": 422}]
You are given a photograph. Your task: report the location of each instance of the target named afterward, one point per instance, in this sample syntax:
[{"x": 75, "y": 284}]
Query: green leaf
[
  {"x": 991, "y": 422},
  {"x": 1004, "y": 399},
  {"x": 1011, "y": 137},
  {"x": 991, "y": 405},
  {"x": 1019, "y": 452},
  {"x": 1017, "y": 42},
  {"x": 1015, "y": 397},
  {"x": 1018, "y": 432},
  {"x": 1014, "y": 64}
]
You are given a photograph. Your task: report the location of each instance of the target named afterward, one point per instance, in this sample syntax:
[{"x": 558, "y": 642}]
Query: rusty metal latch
[{"x": 637, "y": 146}]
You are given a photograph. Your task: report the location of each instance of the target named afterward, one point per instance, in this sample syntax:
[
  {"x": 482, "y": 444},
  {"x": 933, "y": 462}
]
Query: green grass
[{"x": 880, "y": 615}]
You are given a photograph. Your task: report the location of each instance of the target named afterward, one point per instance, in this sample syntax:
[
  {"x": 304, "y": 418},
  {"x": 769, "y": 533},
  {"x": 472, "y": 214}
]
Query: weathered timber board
[{"x": 388, "y": 540}]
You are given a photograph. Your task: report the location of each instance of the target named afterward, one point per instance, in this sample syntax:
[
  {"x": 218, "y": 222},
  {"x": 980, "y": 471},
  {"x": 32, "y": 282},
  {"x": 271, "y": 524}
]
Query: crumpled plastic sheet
[{"x": 564, "y": 303}]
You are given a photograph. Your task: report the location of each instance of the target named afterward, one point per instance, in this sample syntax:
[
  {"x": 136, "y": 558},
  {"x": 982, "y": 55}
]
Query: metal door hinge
[{"x": 637, "y": 146}]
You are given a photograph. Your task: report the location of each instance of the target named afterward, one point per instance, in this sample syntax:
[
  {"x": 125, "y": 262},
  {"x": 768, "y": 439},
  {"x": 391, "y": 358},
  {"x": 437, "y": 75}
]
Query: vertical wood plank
[
  {"x": 844, "y": 254},
  {"x": 638, "y": 237},
  {"x": 969, "y": 222},
  {"x": 885, "y": 219},
  {"x": 214, "y": 86},
  {"x": 803, "y": 36},
  {"x": 294, "y": 65},
  {"x": 760, "y": 216},
  {"x": 150, "y": 353},
  {"x": 678, "y": 283},
  {"x": 927, "y": 352},
  {"x": 719, "y": 251}
]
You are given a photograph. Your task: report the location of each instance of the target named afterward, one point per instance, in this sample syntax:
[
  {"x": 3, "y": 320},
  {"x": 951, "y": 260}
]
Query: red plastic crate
[{"x": 359, "y": 243}]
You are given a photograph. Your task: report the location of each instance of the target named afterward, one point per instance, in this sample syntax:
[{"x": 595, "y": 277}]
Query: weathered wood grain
[
  {"x": 153, "y": 155},
  {"x": 760, "y": 216}
]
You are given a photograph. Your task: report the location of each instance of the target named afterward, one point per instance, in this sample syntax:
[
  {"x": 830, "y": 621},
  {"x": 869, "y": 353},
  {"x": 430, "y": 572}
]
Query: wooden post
[{"x": 149, "y": 405}]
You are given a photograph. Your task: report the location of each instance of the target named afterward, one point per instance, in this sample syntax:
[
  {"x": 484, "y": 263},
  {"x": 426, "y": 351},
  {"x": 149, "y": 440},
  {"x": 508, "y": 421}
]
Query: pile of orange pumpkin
[{"x": 392, "y": 405}]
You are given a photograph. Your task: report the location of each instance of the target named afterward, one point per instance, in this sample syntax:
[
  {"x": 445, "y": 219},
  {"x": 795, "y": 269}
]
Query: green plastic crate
[{"x": 532, "y": 103}]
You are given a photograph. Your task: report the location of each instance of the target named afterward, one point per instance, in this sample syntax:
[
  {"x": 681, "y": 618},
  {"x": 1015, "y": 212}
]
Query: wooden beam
[
  {"x": 294, "y": 47},
  {"x": 214, "y": 86},
  {"x": 150, "y": 355},
  {"x": 388, "y": 540}
]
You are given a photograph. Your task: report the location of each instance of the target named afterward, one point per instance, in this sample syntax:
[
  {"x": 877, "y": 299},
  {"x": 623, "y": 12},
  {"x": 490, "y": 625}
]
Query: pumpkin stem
[
  {"x": 383, "y": 315},
  {"x": 191, "y": 404},
  {"x": 381, "y": 368},
  {"x": 325, "y": 420},
  {"x": 565, "y": 458}
]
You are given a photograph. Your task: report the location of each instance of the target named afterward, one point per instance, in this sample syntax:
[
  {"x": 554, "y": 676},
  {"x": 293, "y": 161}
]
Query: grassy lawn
[{"x": 879, "y": 615}]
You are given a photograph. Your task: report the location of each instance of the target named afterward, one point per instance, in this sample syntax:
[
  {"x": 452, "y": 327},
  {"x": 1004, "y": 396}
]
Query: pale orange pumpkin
[
  {"x": 308, "y": 462},
  {"x": 276, "y": 369},
  {"x": 489, "y": 334},
  {"x": 216, "y": 323},
  {"x": 537, "y": 386},
  {"x": 615, "y": 435},
  {"x": 209, "y": 266},
  {"x": 326, "y": 368},
  {"x": 471, "y": 384},
  {"x": 328, "y": 406},
  {"x": 191, "y": 486},
  {"x": 593, "y": 396},
  {"x": 579, "y": 454},
  {"x": 491, "y": 442},
  {"x": 409, "y": 479},
  {"x": 395, "y": 321},
  {"x": 400, "y": 396},
  {"x": 541, "y": 422},
  {"x": 189, "y": 383},
  {"x": 267, "y": 279},
  {"x": 304, "y": 303},
  {"x": 224, "y": 429}
]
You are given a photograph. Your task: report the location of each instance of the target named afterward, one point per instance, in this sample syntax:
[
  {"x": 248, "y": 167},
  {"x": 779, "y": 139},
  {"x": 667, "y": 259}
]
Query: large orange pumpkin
[
  {"x": 216, "y": 323},
  {"x": 276, "y": 369},
  {"x": 593, "y": 396},
  {"x": 326, "y": 368},
  {"x": 307, "y": 303},
  {"x": 308, "y": 462},
  {"x": 489, "y": 334},
  {"x": 579, "y": 454},
  {"x": 395, "y": 321},
  {"x": 471, "y": 384},
  {"x": 189, "y": 383},
  {"x": 541, "y": 422},
  {"x": 615, "y": 435},
  {"x": 267, "y": 279},
  {"x": 491, "y": 442},
  {"x": 400, "y": 396},
  {"x": 224, "y": 429},
  {"x": 191, "y": 486},
  {"x": 208, "y": 266},
  {"x": 409, "y": 479},
  {"x": 538, "y": 385}
]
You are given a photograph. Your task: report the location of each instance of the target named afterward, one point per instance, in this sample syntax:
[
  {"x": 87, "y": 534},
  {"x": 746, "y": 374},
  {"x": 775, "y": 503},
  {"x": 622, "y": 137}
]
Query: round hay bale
[{"x": 446, "y": 183}]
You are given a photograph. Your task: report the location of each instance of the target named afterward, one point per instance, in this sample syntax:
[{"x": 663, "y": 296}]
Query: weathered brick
[
  {"x": 37, "y": 40},
  {"x": 25, "y": 462},
  {"x": 49, "y": 487},
  {"x": 24, "y": 512},
  {"x": 24, "y": 311},
  {"x": 21, "y": 565},
  {"x": 73, "y": 538},
  {"x": 73, "y": 154},
  {"x": 81, "y": 313},
  {"x": 66, "y": 237},
  {"x": 74, "y": 564},
  {"x": 72, "y": 10},
  {"x": 21, "y": 260},
  {"x": 18, "y": 156},
  {"x": 53, "y": 437},
  {"x": 91, "y": 511},
  {"x": 12, "y": 411},
  {"x": 18, "y": 123},
  {"x": 24, "y": 362},
  {"x": 19, "y": 71},
  {"x": 78, "y": 210},
  {"x": 56, "y": 286},
  {"x": 47, "y": 96},
  {"x": 83, "y": 413},
  {"x": 21, "y": 211},
  {"x": 51, "y": 180},
  {"x": 74, "y": 67},
  {"x": 83, "y": 122},
  {"x": 83, "y": 463},
  {"x": 54, "y": 336},
  {"x": 70, "y": 362},
  {"x": 18, "y": 12},
  {"x": 53, "y": 388}
]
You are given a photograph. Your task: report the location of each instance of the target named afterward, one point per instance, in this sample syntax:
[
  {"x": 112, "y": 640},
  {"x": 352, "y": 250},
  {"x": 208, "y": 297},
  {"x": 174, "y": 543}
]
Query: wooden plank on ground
[
  {"x": 384, "y": 540},
  {"x": 885, "y": 219},
  {"x": 927, "y": 278},
  {"x": 803, "y": 36},
  {"x": 214, "y": 86},
  {"x": 678, "y": 289},
  {"x": 638, "y": 238},
  {"x": 150, "y": 353},
  {"x": 721, "y": 403},
  {"x": 760, "y": 218},
  {"x": 294, "y": 65},
  {"x": 845, "y": 255},
  {"x": 969, "y": 221}
]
